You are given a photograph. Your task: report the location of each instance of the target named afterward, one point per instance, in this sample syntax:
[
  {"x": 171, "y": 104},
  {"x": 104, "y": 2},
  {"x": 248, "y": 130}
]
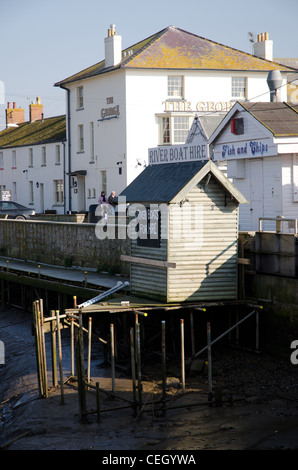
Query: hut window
[{"x": 237, "y": 126}]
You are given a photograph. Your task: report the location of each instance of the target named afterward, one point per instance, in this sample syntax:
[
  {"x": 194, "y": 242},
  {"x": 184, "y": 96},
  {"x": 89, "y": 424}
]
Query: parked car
[{"x": 13, "y": 210}]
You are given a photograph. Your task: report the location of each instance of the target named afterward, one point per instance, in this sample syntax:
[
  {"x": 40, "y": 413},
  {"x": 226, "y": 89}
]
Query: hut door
[{"x": 256, "y": 193}]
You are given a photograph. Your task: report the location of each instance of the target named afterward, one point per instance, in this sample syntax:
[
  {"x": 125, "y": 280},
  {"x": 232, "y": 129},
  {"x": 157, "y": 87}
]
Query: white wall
[
  {"x": 40, "y": 175},
  {"x": 141, "y": 96}
]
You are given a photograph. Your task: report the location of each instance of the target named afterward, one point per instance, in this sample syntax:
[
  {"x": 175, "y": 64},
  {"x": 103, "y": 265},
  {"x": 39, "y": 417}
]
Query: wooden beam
[
  {"x": 243, "y": 261},
  {"x": 151, "y": 262}
]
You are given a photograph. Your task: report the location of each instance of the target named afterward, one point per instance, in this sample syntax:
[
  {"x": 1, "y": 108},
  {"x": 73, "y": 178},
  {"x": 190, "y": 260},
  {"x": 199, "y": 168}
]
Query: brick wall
[{"x": 62, "y": 244}]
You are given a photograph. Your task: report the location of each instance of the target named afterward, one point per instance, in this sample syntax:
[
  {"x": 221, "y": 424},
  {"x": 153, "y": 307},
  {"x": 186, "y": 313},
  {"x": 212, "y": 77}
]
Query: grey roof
[
  {"x": 210, "y": 123},
  {"x": 279, "y": 117},
  {"x": 161, "y": 183}
]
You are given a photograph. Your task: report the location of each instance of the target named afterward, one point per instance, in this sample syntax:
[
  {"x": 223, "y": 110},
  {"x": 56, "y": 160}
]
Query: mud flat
[{"x": 262, "y": 416}]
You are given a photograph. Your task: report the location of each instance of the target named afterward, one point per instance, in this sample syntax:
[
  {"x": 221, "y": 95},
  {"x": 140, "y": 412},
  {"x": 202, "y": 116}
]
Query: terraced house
[
  {"x": 148, "y": 95},
  {"x": 32, "y": 155}
]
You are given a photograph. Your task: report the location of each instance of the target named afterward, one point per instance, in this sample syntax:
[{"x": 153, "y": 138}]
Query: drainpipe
[
  {"x": 64, "y": 194},
  {"x": 69, "y": 147}
]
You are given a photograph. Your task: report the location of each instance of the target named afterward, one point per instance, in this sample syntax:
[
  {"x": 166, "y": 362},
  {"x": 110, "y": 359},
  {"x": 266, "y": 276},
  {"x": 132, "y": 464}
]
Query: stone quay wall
[{"x": 62, "y": 244}]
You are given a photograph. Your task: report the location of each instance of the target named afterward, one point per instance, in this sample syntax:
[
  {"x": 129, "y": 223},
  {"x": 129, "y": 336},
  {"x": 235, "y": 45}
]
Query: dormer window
[{"x": 237, "y": 126}]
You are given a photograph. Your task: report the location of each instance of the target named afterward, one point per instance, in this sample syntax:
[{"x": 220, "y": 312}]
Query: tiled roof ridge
[{"x": 99, "y": 68}]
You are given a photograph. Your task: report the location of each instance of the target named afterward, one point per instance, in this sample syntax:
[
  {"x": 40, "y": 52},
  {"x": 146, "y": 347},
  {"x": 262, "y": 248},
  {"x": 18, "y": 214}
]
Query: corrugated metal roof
[
  {"x": 174, "y": 48},
  {"x": 280, "y": 118},
  {"x": 33, "y": 133},
  {"x": 161, "y": 183}
]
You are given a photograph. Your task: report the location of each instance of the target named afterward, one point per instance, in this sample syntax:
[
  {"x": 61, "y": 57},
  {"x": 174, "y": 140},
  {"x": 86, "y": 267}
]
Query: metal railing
[{"x": 278, "y": 221}]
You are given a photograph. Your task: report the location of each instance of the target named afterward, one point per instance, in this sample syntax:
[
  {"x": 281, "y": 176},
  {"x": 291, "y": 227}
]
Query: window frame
[
  {"x": 172, "y": 87},
  {"x": 81, "y": 143},
  {"x": 171, "y": 132},
  {"x": 80, "y": 97},
  {"x": 58, "y": 192},
  {"x": 235, "y": 87}
]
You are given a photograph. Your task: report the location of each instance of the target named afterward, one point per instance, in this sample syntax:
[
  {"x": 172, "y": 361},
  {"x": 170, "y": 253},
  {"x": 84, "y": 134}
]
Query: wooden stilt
[
  {"x": 60, "y": 356},
  {"x": 54, "y": 348}
]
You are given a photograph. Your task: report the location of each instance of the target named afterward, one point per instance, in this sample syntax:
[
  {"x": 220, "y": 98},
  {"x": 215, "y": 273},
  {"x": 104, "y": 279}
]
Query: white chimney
[
  {"x": 264, "y": 47},
  {"x": 113, "y": 48}
]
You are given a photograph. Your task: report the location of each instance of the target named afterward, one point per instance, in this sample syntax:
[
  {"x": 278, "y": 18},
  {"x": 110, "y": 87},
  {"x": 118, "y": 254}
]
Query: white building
[
  {"x": 32, "y": 156},
  {"x": 147, "y": 96},
  {"x": 259, "y": 142}
]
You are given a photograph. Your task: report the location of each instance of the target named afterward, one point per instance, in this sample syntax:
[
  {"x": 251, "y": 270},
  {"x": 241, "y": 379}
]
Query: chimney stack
[
  {"x": 263, "y": 48},
  {"x": 36, "y": 111},
  {"x": 113, "y": 48},
  {"x": 14, "y": 115}
]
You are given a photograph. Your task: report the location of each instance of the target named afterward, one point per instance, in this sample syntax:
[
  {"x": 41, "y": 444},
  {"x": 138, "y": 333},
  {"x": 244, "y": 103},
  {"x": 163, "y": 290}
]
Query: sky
[{"x": 45, "y": 41}]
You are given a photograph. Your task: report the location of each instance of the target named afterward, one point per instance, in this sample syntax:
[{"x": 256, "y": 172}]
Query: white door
[
  {"x": 81, "y": 193},
  {"x": 256, "y": 193},
  {"x": 41, "y": 198}
]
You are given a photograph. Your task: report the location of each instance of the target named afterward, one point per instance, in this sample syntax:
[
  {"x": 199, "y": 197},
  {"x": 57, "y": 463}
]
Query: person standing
[
  {"x": 104, "y": 203},
  {"x": 112, "y": 201}
]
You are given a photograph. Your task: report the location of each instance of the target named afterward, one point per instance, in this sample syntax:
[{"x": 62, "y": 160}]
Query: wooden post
[
  {"x": 182, "y": 356},
  {"x": 209, "y": 361},
  {"x": 139, "y": 366},
  {"x": 193, "y": 346},
  {"x": 79, "y": 347},
  {"x": 257, "y": 330},
  {"x": 72, "y": 354},
  {"x": 37, "y": 347},
  {"x": 98, "y": 402},
  {"x": 2, "y": 295},
  {"x": 112, "y": 357},
  {"x": 43, "y": 349},
  {"x": 164, "y": 375},
  {"x": 133, "y": 370},
  {"x": 89, "y": 349},
  {"x": 60, "y": 356},
  {"x": 54, "y": 348}
]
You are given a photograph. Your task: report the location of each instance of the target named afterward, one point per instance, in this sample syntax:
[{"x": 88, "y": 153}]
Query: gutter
[{"x": 69, "y": 148}]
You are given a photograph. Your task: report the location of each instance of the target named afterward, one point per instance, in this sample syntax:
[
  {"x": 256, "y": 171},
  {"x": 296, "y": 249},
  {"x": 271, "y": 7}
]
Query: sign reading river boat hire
[{"x": 177, "y": 153}]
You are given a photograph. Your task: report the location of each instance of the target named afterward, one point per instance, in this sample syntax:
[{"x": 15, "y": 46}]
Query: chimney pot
[{"x": 113, "y": 48}]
